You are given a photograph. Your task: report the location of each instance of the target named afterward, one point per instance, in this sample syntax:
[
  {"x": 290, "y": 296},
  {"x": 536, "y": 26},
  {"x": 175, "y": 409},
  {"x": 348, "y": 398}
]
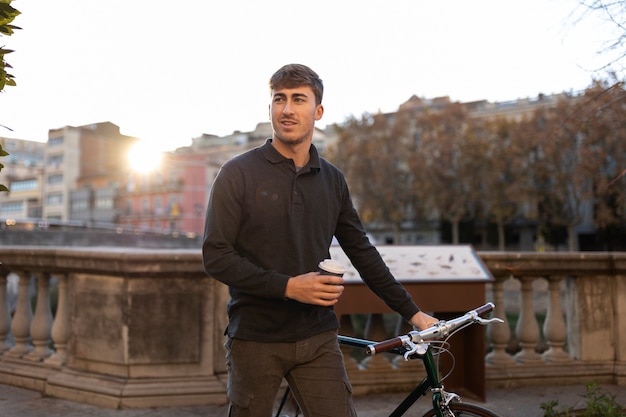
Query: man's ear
[{"x": 319, "y": 112}]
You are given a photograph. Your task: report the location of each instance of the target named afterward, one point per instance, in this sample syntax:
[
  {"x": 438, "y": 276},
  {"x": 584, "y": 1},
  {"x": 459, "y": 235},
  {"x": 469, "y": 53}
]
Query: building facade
[
  {"x": 23, "y": 175},
  {"x": 83, "y": 169}
]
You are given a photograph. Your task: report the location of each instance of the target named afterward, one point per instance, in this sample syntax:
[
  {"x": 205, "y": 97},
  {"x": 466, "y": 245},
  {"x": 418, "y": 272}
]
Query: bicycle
[{"x": 426, "y": 345}]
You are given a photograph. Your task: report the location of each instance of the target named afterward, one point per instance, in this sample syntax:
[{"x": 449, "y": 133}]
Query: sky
[{"x": 169, "y": 71}]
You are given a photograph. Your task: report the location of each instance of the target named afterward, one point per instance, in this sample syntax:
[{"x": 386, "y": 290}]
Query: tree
[
  {"x": 372, "y": 154},
  {"x": 574, "y": 155},
  {"x": 559, "y": 184},
  {"x": 501, "y": 178},
  {"x": 605, "y": 153},
  {"x": 444, "y": 165},
  {"x": 7, "y": 15}
]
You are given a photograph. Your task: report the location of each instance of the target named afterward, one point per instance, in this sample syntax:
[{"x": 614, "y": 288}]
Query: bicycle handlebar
[{"x": 438, "y": 331}]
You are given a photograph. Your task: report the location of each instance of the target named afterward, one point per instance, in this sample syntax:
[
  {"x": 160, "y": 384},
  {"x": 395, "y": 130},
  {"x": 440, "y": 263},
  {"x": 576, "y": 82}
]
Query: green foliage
[
  {"x": 550, "y": 409},
  {"x": 597, "y": 404},
  {"x": 3, "y": 153},
  {"x": 7, "y": 15}
]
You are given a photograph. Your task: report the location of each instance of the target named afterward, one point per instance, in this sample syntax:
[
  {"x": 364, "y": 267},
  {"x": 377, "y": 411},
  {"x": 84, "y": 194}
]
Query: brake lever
[
  {"x": 483, "y": 321},
  {"x": 413, "y": 348}
]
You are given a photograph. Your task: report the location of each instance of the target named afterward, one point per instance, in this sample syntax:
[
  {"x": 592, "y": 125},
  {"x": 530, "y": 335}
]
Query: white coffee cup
[{"x": 331, "y": 267}]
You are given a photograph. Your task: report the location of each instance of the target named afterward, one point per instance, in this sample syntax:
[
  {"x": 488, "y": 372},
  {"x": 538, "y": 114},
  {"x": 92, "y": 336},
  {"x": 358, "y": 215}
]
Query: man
[{"x": 272, "y": 214}]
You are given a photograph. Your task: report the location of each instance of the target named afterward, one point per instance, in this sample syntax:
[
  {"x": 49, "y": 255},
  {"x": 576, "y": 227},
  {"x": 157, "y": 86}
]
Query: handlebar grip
[
  {"x": 485, "y": 309},
  {"x": 384, "y": 346}
]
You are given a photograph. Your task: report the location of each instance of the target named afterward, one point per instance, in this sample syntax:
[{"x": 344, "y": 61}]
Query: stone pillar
[
  {"x": 5, "y": 315},
  {"x": 60, "y": 327},
  {"x": 499, "y": 334},
  {"x": 42, "y": 321},
  {"x": 620, "y": 324},
  {"x": 142, "y": 335},
  {"x": 527, "y": 328},
  {"x": 592, "y": 315},
  {"x": 20, "y": 326},
  {"x": 554, "y": 327}
]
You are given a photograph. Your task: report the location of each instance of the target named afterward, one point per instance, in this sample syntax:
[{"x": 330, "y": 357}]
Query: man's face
[{"x": 293, "y": 113}]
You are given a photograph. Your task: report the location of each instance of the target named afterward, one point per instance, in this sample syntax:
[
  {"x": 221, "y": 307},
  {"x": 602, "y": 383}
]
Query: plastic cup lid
[{"x": 333, "y": 266}]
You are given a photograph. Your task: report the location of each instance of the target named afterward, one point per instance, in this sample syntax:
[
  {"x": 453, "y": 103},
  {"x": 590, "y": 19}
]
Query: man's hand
[
  {"x": 423, "y": 321},
  {"x": 313, "y": 288}
]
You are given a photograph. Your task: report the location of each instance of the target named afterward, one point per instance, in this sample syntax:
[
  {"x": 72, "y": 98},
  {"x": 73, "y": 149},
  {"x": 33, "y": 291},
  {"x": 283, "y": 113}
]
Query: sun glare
[{"x": 144, "y": 158}]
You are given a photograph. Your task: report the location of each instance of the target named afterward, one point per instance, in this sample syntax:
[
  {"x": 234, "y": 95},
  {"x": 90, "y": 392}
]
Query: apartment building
[
  {"x": 172, "y": 199},
  {"x": 83, "y": 167},
  {"x": 23, "y": 175}
]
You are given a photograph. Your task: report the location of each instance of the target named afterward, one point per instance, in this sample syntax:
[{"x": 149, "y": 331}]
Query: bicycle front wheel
[{"x": 465, "y": 410}]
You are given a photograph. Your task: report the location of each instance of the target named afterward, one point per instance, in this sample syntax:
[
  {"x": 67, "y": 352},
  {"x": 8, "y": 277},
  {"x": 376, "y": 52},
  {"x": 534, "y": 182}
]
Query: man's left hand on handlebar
[{"x": 422, "y": 320}]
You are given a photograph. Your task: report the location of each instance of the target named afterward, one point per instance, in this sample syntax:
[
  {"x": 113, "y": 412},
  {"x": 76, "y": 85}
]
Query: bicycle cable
[{"x": 443, "y": 346}]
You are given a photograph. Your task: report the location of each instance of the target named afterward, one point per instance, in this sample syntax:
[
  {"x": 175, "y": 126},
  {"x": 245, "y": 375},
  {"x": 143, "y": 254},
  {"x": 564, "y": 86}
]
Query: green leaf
[
  {"x": 7, "y": 13},
  {"x": 3, "y": 188}
]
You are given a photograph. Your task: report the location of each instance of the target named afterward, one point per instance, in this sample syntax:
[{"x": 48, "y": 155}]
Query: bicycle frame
[
  {"x": 431, "y": 380},
  {"x": 416, "y": 345}
]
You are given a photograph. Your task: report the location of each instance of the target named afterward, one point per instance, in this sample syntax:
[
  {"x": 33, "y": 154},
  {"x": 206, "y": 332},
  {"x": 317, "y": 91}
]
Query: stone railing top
[
  {"x": 129, "y": 262},
  {"x": 126, "y": 262},
  {"x": 554, "y": 263}
]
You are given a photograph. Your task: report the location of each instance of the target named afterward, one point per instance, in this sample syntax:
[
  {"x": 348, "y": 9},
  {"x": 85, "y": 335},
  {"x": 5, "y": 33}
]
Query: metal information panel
[{"x": 424, "y": 263}]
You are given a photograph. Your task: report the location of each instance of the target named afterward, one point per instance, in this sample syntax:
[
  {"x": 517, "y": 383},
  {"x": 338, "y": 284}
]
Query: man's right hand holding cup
[{"x": 320, "y": 288}]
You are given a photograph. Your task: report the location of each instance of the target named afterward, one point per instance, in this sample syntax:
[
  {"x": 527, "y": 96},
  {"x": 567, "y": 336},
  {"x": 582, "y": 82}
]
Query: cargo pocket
[
  {"x": 350, "y": 410},
  {"x": 239, "y": 404}
]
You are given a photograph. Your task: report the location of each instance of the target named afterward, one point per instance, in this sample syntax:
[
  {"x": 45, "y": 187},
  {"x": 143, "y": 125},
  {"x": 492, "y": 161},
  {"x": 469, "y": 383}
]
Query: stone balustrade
[
  {"x": 125, "y": 328},
  {"x": 581, "y": 299}
]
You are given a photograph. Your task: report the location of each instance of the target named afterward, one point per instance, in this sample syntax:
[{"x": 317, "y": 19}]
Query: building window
[
  {"x": 58, "y": 140},
  {"x": 158, "y": 206},
  {"x": 12, "y": 207},
  {"x": 54, "y": 199},
  {"x": 80, "y": 205},
  {"x": 24, "y": 185},
  {"x": 104, "y": 203},
  {"x": 55, "y": 179},
  {"x": 55, "y": 161}
]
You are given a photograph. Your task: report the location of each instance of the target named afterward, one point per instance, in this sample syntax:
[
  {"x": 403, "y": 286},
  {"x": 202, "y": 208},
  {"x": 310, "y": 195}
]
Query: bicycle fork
[{"x": 441, "y": 398}]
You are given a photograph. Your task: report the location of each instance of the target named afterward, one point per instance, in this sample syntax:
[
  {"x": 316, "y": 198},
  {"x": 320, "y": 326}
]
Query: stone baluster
[
  {"x": 499, "y": 334},
  {"x": 60, "y": 327},
  {"x": 42, "y": 321},
  {"x": 554, "y": 328},
  {"x": 5, "y": 314},
  {"x": 20, "y": 326},
  {"x": 527, "y": 328}
]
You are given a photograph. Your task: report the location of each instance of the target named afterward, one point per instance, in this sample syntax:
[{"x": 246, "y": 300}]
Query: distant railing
[{"x": 144, "y": 328}]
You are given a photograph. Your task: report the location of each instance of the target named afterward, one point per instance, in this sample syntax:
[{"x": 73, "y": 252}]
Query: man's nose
[{"x": 287, "y": 108}]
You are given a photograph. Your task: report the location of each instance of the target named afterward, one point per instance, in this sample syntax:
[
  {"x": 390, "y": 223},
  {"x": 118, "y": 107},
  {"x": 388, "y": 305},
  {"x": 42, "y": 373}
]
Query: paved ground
[{"x": 515, "y": 402}]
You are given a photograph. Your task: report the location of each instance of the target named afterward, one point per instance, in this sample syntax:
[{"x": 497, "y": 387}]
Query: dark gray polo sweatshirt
[{"x": 266, "y": 222}]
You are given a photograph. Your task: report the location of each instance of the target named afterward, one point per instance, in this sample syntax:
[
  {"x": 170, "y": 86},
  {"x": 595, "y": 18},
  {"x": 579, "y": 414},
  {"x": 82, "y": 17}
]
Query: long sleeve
[{"x": 223, "y": 225}]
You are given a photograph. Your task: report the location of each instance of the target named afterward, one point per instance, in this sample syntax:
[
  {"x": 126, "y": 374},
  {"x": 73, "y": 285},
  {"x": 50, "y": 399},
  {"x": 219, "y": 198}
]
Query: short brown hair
[{"x": 297, "y": 75}]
